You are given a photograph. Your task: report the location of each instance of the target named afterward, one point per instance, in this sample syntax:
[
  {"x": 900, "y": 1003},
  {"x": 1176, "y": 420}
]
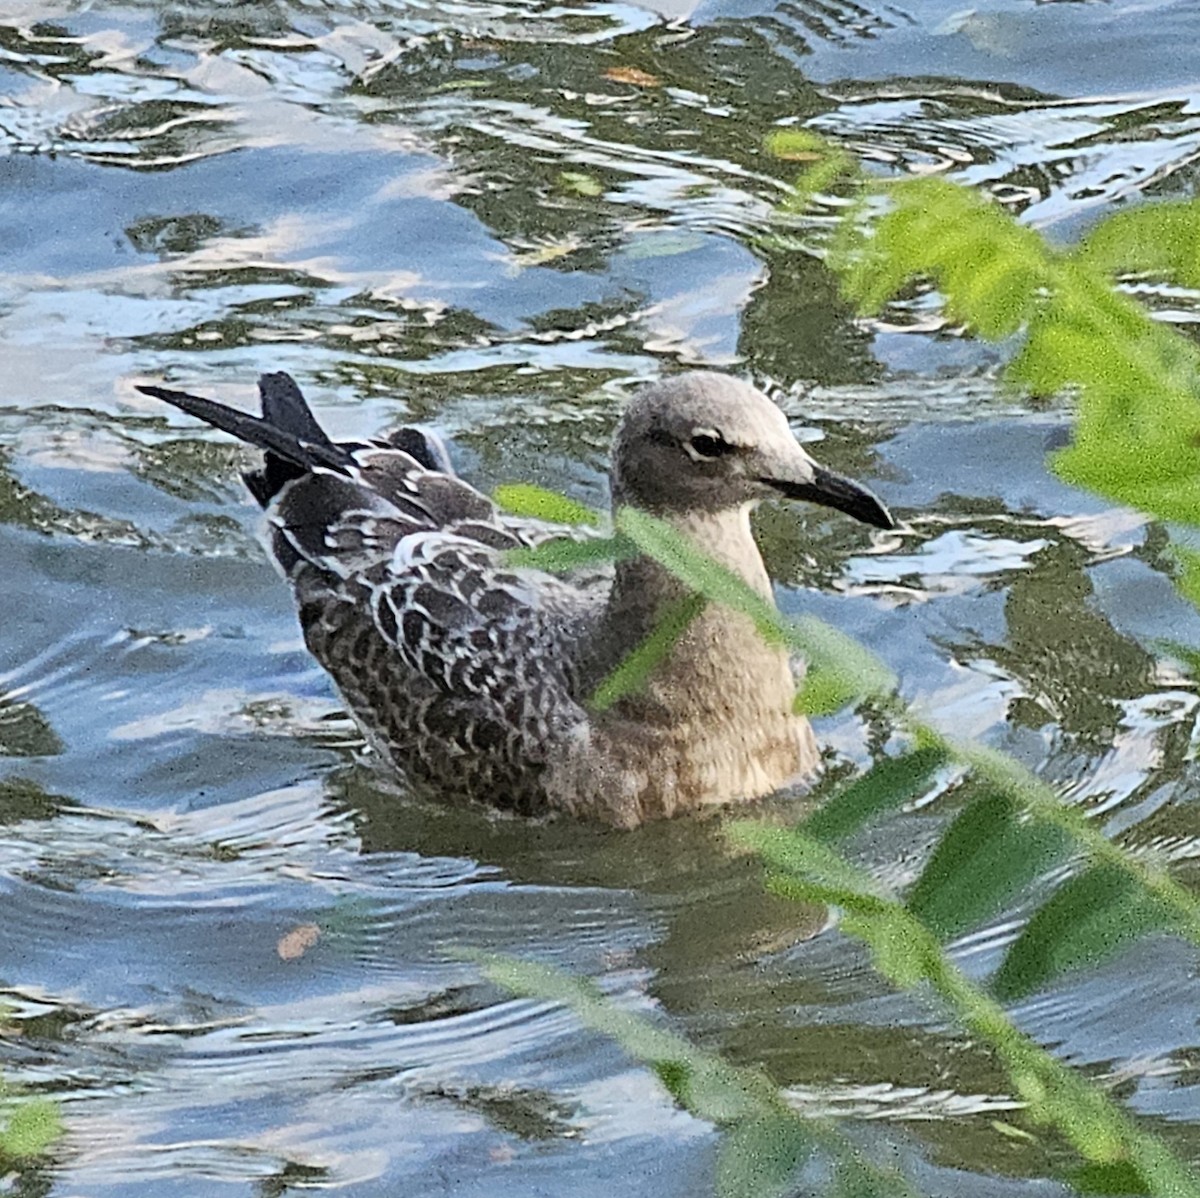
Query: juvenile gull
[{"x": 471, "y": 676}]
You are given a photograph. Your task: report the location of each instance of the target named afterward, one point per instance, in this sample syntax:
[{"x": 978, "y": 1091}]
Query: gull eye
[{"x": 707, "y": 444}]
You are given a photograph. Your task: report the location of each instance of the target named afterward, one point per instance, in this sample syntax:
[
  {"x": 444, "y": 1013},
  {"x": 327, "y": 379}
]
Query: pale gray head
[{"x": 704, "y": 441}]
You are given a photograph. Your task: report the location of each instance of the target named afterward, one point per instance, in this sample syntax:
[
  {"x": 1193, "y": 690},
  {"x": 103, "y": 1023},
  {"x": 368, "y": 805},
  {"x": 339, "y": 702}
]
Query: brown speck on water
[
  {"x": 294, "y": 944},
  {"x": 633, "y": 75}
]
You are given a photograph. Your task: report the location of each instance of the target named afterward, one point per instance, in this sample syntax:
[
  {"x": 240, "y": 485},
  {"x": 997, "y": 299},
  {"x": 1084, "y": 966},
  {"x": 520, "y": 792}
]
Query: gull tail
[{"x": 287, "y": 431}]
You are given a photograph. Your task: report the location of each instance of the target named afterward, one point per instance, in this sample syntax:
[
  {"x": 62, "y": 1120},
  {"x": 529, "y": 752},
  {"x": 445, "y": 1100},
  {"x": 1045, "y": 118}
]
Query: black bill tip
[{"x": 835, "y": 491}]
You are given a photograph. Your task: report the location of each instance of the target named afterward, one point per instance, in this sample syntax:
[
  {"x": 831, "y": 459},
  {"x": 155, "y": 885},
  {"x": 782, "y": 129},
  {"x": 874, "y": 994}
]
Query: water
[{"x": 227, "y": 946}]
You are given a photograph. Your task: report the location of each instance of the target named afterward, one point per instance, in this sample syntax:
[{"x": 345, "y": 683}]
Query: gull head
[{"x": 708, "y": 442}]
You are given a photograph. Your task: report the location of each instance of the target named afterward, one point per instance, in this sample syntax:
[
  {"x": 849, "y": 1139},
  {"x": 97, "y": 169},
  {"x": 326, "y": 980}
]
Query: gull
[{"x": 470, "y": 676}]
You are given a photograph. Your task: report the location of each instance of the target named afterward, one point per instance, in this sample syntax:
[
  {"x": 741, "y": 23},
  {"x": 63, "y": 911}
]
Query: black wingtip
[
  {"x": 163, "y": 393},
  {"x": 284, "y": 406},
  {"x": 292, "y": 439}
]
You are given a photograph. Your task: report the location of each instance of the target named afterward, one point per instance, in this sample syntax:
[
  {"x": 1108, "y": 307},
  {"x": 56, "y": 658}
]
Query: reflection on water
[{"x": 227, "y": 945}]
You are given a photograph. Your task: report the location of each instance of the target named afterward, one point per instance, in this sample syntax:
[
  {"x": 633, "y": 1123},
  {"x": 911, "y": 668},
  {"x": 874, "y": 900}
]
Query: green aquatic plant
[
  {"x": 765, "y": 1141},
  {"x": 1136, "y": 440},
  {"x": 1011, "y": 831},
  {"x": 29, "y": 1127},
  {"x": 988, "y": 855},
  {"x": 1134, "y": 380}
]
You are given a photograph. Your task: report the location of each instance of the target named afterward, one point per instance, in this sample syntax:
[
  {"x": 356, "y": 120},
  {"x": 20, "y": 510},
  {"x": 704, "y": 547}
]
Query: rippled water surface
[{"x": 226, "y": 945}]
